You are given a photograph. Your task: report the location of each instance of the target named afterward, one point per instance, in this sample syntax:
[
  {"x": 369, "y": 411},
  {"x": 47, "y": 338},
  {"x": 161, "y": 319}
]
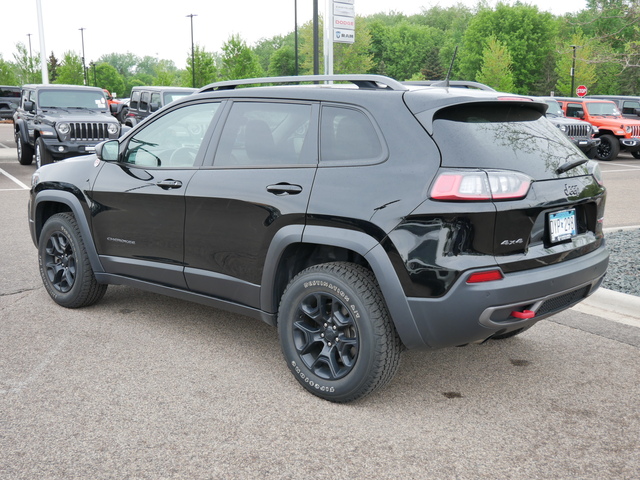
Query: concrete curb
[{"x": 612, "y": 305}]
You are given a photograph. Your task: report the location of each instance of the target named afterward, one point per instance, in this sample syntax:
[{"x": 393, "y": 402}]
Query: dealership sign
[{"x": 344, "y": 21}]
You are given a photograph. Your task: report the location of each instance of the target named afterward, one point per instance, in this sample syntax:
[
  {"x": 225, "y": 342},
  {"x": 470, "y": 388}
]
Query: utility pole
[
  {"x": 316, "y": 40},
  {"x": 573, "y": 69},
  {"x": 43, "y": 50},
  {"x": 84, "y": 67},
  {"x": 193, "y": 57}
]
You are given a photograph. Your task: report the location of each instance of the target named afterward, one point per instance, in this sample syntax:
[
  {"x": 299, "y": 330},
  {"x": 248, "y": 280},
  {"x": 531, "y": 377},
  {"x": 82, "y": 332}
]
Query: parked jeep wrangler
[
  {"x": 615, "y": 132},
  {"x": 61, "y": 121},
  {"x": 356, "y": 219},
  {"x": 581, "y": 133},
  {"x": 146, "y": 100}
]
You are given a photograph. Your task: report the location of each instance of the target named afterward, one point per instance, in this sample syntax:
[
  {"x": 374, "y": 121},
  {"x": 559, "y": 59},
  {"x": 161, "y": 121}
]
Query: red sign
[{"x": 581, "y": 91}]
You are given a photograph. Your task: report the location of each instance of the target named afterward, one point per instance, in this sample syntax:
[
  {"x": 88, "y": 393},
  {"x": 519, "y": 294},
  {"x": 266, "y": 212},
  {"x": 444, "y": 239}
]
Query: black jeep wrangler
[
  {"x": 61, "y": 121},
  {"x": 357, "y": 219}
]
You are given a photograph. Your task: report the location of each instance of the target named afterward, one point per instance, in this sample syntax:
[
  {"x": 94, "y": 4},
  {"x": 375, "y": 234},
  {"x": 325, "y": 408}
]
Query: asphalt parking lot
[{"x": 141, "y": 386}]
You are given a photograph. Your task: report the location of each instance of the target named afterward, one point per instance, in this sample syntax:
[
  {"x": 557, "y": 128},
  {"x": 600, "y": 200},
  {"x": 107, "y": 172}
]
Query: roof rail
[{"x": 376, "y": 82}]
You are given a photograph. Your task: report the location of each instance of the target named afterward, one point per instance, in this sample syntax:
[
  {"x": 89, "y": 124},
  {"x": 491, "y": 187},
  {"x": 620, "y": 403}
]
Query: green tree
[
  {"x": 25, "y": 65},
  {"x": 7, "y": 73},
  {"x": 166, "y": 74},
  {"x": 52, "y": 65},
  {"x": 238, "y": 60},
  {"x": 496, "y": 66},
  {"x": 283, "y": 62},
  {"x": 529, "y": 34},
  {"x": 125, "y": 63},
  {"x": 347, "y": 57},
  {"x": 70, "y": 72},
  {"x": 585, "y": 70},
  {"x": 106, "y": 76},
  {"x": 205, "y": 68}
]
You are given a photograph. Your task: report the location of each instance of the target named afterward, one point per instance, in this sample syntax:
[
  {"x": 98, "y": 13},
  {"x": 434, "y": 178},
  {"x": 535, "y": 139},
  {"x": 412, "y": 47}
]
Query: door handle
[
  {"x": 169, "y": 183},
  {"x": 284, "y": 189}
]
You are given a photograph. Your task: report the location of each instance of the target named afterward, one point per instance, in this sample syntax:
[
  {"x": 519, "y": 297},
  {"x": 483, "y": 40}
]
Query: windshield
[
  {"x": 502, "y": 136},
  {"x": 602, "y": 108},
  {"x": 88, "y": 99},
  {"x": 554, "y": 110},
  {"x": 172, "y": 96}
]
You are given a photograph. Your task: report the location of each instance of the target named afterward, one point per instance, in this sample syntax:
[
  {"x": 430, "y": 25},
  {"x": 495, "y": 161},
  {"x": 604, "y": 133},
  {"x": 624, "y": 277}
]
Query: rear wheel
[
  {"x": 64, "y": 264},
  {"x": 336, "y": 333},
  {"x": 609, "y": 148},
  {"x": 25, "y": 152}
]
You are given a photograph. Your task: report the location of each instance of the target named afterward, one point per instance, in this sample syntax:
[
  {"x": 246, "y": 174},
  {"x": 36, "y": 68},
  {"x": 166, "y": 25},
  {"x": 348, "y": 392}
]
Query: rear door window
[
  {"x": 348, "y": 135},
  {"x": 265, "y": 134}
]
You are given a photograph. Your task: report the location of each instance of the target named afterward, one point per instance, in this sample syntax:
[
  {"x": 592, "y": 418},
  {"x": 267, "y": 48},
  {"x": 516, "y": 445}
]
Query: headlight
[
  {"x": 594, "y": 129},
  {"x": 563, "y": 128},
  {"x": 112, "y": 128},
  {"x": 628, "y": 129},
  {"x": 63, "y": 128}
]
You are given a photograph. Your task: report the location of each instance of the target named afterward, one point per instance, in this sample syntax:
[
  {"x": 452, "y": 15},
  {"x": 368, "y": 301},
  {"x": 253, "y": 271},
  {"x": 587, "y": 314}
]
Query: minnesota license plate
[{"x": 562, "y": 225}]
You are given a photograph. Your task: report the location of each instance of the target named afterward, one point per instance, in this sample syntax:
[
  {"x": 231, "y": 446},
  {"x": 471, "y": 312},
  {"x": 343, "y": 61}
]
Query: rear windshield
[
  {"x": 502, "y": 136},
  {"x": 10, "y": 92}
]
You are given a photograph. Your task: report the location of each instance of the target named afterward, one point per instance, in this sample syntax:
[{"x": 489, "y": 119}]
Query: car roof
[
  {"x": 57, "y": 86},
  {"x": 164, "y": 89}
]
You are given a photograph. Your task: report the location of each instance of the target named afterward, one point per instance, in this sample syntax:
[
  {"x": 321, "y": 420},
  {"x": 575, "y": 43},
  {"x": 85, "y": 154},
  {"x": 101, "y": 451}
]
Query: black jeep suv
[
  {"x": 357, "y": 219},
  {"x": 61, "y": 121}
]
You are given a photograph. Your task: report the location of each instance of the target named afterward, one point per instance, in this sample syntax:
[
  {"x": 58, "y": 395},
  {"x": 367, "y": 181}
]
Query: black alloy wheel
[
  {"x": 64, "y": 264},
  {"x": 336, "y": 333}
]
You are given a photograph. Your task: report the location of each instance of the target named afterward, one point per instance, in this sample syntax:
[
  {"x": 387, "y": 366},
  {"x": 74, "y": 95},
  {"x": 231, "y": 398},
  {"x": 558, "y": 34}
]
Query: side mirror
[
  {"x": 154, "y": 106},
  {"x": 29, "y": 106},
  {"x": 580, "y": 113},
  {"x": 108, "y": 151},
  {"x": 636, "y": 112}
]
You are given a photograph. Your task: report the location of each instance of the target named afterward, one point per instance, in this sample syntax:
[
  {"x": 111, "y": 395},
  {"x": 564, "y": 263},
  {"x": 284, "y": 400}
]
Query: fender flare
[
  {"x": 71, "y": 201},
  {"x": 359, "y": 242},
  {"x": 21, "y": 128}
]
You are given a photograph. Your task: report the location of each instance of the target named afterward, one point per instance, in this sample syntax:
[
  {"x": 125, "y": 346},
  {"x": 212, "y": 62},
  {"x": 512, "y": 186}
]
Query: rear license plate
[{"x": 562, "y": 225}]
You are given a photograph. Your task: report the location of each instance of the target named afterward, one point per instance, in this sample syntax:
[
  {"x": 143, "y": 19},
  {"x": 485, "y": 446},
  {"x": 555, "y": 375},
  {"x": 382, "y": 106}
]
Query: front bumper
[
  {"x": 61, "y": 150},
  {"x": 472, "y": 313},
  {"x": 630, "y": 144},
  {"x": 586, "y": 144}
]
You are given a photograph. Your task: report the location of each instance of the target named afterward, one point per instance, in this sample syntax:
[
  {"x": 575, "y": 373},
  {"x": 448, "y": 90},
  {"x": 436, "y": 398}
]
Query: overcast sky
[{"x": 163, "y": 30}]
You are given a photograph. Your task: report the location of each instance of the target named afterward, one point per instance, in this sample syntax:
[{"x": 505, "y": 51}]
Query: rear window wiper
[{"x": 565, "y": 167}]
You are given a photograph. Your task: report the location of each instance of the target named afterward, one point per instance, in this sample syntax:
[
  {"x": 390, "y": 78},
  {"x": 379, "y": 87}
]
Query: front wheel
[
  {"x": 335, "y": 332},
  {"x": 43, "y": 157},
  {"x": 64, "y": 264},
  {"x": 609, "y": 148}
]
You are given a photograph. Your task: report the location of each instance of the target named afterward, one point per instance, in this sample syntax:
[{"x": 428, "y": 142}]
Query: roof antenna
[{"x": 453, "y": 59}]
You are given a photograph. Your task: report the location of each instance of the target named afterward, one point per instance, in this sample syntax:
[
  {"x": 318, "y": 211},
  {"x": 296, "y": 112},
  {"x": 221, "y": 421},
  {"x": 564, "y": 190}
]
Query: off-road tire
[
  {"x": 335, "y": 332},
  {"x": 43, "y": 157},
  {"x": 64, "y": 264},
  {"x": 609, "y": 148},
  {"x": 25, "y": 151}
]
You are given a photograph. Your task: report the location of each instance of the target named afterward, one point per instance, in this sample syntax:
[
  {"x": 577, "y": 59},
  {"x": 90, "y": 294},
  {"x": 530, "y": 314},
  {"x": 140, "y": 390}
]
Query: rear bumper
[{"x": 472, "y": 313}]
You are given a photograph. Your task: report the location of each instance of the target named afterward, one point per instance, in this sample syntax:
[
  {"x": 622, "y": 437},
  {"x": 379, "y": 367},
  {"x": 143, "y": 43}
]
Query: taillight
[
  {"x": 486, "y": 276},
  {"x": 480, "y": 185}
]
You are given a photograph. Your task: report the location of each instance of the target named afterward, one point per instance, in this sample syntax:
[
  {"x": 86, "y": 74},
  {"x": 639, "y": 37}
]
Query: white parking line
[
  {"x": 18, "y": 182},
  {"x": 2, "y": 145}
]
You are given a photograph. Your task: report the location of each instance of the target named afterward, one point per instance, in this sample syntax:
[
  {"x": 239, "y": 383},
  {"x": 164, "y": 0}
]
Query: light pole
[
  {"x": 295, "y": 29},
  {"x": 29, "y": 35},
  {"x": 30, "y": 57},
  {"x": 316, "y": 40},
  {"x": 573, "y": 68},
  {"x": 84, "y": 68},
  {"x": 193, "y": 58}
]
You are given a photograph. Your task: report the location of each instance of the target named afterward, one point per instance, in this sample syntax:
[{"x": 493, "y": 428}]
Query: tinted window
[
  {"x": 144, "y": 101},
  {"x": 502, "y": 136},
  {"x": 348, "y": 134},
  {"x": 629, "y": 107},
  {"x": 135, "y": 98},
  {"x": 155, "y": 98},
  {"x": 173, "y": 140},
  {"x": 573, "y": 109},
  {"x": 10, "y": 92},
  {"x": 266, "y": 134}
]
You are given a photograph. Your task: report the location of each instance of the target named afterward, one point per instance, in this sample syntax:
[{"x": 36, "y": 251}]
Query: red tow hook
[{"x": 523, "y": 314}]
